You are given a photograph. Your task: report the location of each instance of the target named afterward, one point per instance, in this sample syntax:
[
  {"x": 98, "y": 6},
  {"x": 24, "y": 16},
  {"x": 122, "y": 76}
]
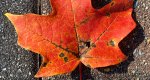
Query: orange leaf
[{"x": 75, "y": 32}]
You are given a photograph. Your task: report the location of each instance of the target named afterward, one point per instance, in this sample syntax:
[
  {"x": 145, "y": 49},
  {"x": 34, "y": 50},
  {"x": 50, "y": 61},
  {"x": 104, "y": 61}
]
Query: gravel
[{"x": 15, "y": 62}]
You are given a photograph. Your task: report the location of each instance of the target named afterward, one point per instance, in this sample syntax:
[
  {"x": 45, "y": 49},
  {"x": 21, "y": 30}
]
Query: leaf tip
[
  {"x": 7, "y": 14},
  {"x": 10, "y": 16},
  {"x": 13, "y": 18},
  {"x": 40, "y": 74},
  {"x": 37, "y": 76}
]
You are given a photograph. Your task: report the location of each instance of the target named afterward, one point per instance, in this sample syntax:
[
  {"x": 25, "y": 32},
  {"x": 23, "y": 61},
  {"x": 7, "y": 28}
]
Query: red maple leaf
[{"x": 75, "y": 32}]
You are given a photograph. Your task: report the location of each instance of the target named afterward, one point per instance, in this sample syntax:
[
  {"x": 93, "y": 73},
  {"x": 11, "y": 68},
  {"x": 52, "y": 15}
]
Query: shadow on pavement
[{"x": 127, "y": 45}]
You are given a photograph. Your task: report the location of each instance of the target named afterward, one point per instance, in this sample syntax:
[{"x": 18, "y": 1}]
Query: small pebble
[
  {"x": 29, "y": 73},
  {"x": 145, "y": 63},
  {"x": 19, "y": 70},
  {"x": 11, "y": 75},
  {"x": 133, "y": 72},
  {"x": 137, "y": 78},
  {"x": 146, "y": 7},
  {"x": 135, "y": 4},
  {"x": 148, "y": 41},
  {"x": 4, "y": 69}
]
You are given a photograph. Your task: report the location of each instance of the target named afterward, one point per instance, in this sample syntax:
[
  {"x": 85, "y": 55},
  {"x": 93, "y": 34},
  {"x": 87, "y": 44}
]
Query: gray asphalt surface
[
  {"x": 19, "y": 64},
  {"x": 15, "y": 62}
]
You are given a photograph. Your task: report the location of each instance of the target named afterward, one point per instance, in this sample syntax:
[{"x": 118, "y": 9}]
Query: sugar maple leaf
[{"x": 75, "y": 32}]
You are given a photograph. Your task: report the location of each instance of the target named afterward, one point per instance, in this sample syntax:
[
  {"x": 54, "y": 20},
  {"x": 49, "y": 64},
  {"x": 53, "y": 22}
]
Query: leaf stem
[{"x": 80, "y": 71}]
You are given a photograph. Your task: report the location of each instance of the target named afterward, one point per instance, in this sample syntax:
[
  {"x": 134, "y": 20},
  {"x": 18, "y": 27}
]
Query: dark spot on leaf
[
  {"x": 111, "y": 43},
  {"x": 65, "y": 59},
  {"x": 108, "y": 14},
  {"x": 88, "y": 44},
  {"x": 61, "y": 55},
  {"x": 120, "y": 60},
  {"x": 97, "y": 4},
  {"x": 44, "y": 64},
  {"x": 67, "y": 49}
]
